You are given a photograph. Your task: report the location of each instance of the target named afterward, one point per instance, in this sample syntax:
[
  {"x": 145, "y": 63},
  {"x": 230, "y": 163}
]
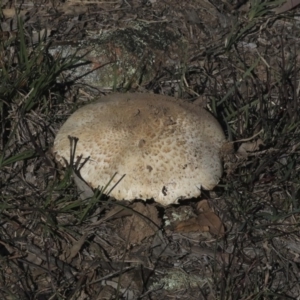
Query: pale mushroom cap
[{"x": 166, "y": 148}]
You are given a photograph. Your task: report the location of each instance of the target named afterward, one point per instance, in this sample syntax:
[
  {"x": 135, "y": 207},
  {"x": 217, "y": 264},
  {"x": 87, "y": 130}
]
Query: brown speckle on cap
[{"x": 167, "y": 148}]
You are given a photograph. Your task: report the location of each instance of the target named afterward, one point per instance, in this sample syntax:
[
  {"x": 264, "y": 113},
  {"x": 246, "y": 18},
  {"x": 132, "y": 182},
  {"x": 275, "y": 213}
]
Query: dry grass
[{"x": 56, "y": 245}]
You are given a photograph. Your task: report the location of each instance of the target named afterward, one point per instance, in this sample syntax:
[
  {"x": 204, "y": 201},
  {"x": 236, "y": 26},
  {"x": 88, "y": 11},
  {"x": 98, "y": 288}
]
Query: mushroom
[{"x": 157, "y": 146}]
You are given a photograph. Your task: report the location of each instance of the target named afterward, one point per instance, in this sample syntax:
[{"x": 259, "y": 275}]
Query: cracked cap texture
[{"x": 166, "y": 148}]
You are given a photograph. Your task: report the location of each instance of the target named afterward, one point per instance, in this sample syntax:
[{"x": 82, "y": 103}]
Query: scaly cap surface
[{"x": 166, "y": 148}]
